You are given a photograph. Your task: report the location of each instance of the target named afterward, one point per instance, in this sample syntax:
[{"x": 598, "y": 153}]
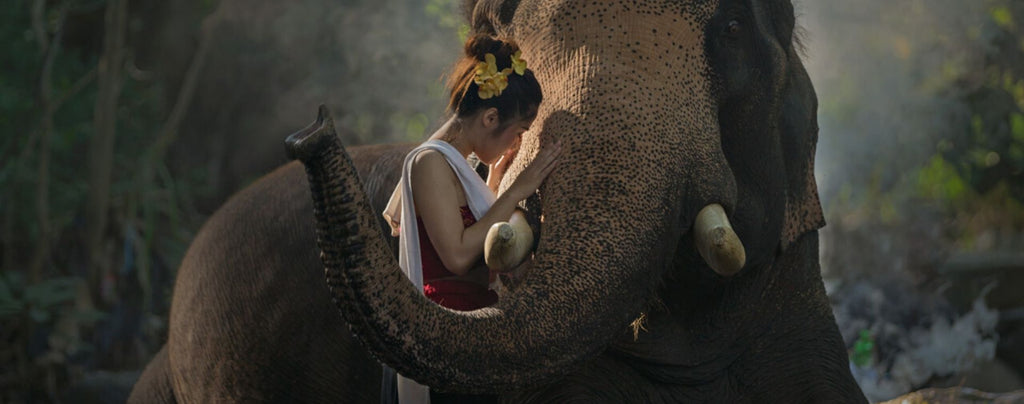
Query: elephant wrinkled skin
[{"x": 663, "y": 108}]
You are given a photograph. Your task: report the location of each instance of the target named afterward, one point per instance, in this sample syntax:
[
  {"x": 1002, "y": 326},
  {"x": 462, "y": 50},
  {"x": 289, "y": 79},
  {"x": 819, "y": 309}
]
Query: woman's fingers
[
  {"x": 549, "y": 168},
  {"x": 550, "y": 156},
  {"x": 506, "y": 161},
  {"x": 538, "y": 169},
  {"x": 544, "y": 163},
  {"x": 547, "y": 154}
]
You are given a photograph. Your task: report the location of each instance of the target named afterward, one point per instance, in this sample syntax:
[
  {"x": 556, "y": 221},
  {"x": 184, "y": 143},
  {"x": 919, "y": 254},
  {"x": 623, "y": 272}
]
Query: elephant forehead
[
  {"x": 627, "y": 29},
  {"x": 650, "y": 53},
  {"x": 623, "y": 66},
  {"x": 696, "y": 11}
]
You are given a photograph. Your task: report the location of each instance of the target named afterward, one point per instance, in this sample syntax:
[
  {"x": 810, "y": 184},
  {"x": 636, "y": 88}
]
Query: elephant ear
[{"x": 799, "y": 137}]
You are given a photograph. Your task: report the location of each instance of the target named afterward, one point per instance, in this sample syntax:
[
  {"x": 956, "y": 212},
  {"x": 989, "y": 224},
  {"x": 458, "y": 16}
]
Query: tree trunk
[
  {"x": 51, "y": 47},
  {"x": 155, "y": 154},
  {"x": 101, "y": 149}
]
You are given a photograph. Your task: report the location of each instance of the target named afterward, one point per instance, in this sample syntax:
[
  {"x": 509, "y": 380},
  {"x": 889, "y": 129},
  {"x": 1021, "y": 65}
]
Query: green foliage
[
  {"x": 1003, "y": 17},
  {"x": 51, "y": 305},
  {"x": 939, "y": 180},
  {"x": 863, "y": 354},
  {"x": 45, "y": 284},
  {"x": 1016, "y": 150},
  {"x": 939, "y": 127},
  {"x": 21, "y": 116},
  {"x": 416, "y": 127},
  {"x": 413, "y": 126},
  {"x": 448, "y": 16},
  {"x": 991, "y": 152},
  {"x": 42, "y": 302},
  {"x": 46, "y": 301}
]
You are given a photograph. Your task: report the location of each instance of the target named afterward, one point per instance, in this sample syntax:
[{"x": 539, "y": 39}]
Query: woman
[{"x": 494, "y": 99}]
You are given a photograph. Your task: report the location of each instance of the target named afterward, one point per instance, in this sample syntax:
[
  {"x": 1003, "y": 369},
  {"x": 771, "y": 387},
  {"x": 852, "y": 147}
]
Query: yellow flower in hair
[
  {"x": 486, "y": 69},
  {"x": 518, "y": 64},
  {"x": 489, "y": 79},
  {"x": 487, "y": 90},
  {"x": 500, "y": 81},
  {"x": 493, "y": 86}
]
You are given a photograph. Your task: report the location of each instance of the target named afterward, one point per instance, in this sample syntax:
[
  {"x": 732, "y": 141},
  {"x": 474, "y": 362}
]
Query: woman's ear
[{"x": 490, "y": 118}]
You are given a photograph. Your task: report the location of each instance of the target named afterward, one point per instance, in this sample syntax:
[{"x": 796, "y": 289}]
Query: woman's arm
[{"x": 435, "y": 188}]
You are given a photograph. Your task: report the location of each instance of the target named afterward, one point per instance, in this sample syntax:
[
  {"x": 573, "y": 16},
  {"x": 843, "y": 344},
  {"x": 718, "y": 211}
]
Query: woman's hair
[{"x": 518, "y": 100}]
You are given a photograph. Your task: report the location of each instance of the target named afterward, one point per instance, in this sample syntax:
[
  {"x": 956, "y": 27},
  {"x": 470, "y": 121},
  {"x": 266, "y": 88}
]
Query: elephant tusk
[
  {"x": 508, "y": 243},
  {"x": 717, "y": 243}
]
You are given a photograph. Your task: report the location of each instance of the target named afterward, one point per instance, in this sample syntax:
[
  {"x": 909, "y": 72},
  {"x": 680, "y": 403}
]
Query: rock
[{"x": 959, "y": 396}]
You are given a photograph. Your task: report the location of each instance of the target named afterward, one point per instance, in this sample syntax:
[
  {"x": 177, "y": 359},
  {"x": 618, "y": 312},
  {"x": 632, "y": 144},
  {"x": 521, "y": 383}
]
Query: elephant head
[{"x": 663, "y": 108}]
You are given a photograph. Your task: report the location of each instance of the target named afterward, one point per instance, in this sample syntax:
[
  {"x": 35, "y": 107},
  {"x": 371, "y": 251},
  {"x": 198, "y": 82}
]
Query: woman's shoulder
[
  {"x": 428, "y": 159},
  {"x": 433, "y": 164},
  {"x": 432, "y": 177}
]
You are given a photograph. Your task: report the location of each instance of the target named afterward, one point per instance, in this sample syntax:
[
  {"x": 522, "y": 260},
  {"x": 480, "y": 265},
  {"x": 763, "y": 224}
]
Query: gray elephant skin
[{"x": 662, "y": 108}]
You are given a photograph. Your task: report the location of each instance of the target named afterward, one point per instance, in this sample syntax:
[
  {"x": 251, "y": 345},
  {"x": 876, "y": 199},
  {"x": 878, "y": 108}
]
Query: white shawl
[{"x": 401, "y": 207}]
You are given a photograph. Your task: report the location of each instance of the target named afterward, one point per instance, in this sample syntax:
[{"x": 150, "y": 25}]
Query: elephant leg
[{"x": 154, "y": 385}]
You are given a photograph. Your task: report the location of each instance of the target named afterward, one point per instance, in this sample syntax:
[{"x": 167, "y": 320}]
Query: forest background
[{"x": 124, "y": 124}]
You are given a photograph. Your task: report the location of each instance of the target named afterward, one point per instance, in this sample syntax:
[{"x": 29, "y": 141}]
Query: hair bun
[
  {"x": 513, "y": 90},
  {"x": 482, "y": 44}
]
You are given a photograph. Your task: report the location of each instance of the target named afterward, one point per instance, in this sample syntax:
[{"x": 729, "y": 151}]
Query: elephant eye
[{"x": 733, "y": 28}]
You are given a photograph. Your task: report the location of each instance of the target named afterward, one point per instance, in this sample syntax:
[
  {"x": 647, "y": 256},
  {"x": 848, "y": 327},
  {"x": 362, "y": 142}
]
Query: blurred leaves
[
  {"x": 927, "y": 111},
  {"x": 448, "y": 16},
  {"x": 42, "y": 302},
  {"x": 52, "y": 307},
  {"x": 51, "y": 319},
  {"x": 1003, "y": 17},
  {"x": 939, "y": 180},
  {"x": 920, "y": 159},
  {"x": 863, "y": 354},
  {"x": 990, "y": 153},
  {"x": 64, "y": 317}
]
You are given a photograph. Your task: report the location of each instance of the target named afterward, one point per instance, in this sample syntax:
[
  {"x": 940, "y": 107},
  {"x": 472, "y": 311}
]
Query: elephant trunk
[
  {"x": 340, "y": 208},
  {"x": 561, "y": 315}
]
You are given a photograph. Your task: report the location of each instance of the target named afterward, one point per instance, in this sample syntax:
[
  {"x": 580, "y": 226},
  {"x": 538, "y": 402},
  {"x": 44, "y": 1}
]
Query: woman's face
[
  {"x": 495, "y": 144},
  {"x": 497, "y": 137}
]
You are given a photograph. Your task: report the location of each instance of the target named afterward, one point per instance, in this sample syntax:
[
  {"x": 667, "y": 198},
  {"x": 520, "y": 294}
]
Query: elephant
[
  {"x": 250, "y": 318},
  {"x": 664, "y": 108}
]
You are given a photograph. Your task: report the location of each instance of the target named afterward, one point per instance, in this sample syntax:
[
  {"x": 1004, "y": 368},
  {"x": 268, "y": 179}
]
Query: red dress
[{"x": 450, "y": 293}]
